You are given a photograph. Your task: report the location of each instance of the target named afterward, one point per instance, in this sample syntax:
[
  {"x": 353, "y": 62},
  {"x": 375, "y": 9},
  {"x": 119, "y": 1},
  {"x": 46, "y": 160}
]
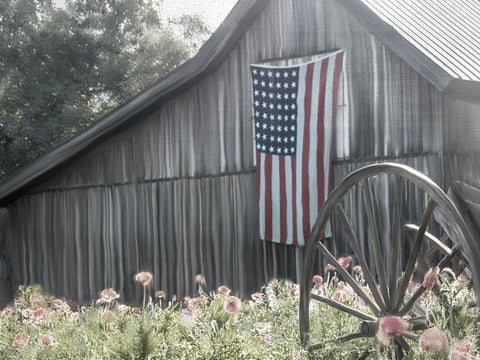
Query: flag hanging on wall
[{"x": 294, "y": 113}]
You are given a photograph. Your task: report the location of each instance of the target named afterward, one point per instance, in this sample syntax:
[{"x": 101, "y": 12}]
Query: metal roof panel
[{"x": 446, "y": 31}]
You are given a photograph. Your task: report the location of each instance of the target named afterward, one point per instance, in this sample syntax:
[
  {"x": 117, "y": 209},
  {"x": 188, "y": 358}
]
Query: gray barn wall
[
  {"x": 175, "y": 193},
  {"x": 462, "y": 141}
]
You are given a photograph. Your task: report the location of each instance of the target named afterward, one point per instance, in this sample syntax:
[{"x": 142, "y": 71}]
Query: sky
[{"x": 213, "y": 11}]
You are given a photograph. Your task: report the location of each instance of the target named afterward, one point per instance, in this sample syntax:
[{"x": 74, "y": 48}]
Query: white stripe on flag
[
  {"x": 288, "y": 186},
  {"x": 261, "y": 196},
  {"x": 275, "y": 199},
  {"x": 302, "y": 73}
]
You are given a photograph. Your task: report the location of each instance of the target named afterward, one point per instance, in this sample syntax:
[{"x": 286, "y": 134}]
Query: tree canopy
[{"x": 61, "y": 67}]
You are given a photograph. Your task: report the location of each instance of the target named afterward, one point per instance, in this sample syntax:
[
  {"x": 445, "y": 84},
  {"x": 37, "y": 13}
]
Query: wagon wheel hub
[{"x": 369, "y": 328}]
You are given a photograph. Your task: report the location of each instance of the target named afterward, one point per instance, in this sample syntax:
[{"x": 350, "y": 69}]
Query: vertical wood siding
[
  {"x": 462, "y": 141},
  {"x": 175, "y": 193}
]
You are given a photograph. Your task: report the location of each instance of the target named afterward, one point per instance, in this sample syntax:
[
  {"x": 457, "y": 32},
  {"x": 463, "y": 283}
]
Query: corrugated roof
[{"x": 446, "y": 31}]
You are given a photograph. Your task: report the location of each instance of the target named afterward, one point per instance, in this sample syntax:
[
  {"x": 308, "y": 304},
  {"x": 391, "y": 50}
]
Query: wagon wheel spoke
[
  {"x": 373, "y": 232},
  {"x": 342, "y": 307},
  {"x": 419, "y": 292},
  {"x": 338, "y": 340},
  {"x": 405, "y": 279},
  {"x": 402, "y": 343},
  {"x": 355, "y": 245},
  {"x": 411, "y": 336},
  {"x": 394, "y": 271},
  {"x": 348, "y": 278},
  {"x": 348, "y": 337}
]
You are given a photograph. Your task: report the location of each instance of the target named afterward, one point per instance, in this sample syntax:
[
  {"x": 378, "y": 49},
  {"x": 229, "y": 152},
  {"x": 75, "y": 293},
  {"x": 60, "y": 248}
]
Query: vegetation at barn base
[{"x": 214, "y": 325}]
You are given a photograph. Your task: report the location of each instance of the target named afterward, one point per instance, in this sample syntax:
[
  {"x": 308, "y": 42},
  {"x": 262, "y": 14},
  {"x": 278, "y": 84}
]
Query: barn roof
[
  {"x": 446, "y": 34},
  {"x": 438, "y": 38}
]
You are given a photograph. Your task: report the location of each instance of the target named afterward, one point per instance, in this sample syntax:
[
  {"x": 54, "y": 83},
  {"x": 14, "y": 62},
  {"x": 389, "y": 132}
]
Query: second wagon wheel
[{"x": 388, "y": 269}]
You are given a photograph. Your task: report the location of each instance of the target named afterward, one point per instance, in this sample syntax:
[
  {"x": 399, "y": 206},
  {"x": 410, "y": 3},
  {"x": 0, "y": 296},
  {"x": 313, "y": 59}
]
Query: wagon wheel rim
[{"x": 390, "y": 299}]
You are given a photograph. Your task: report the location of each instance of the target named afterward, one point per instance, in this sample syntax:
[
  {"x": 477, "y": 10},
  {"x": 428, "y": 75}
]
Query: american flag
[{"x": 294, "y": 112}]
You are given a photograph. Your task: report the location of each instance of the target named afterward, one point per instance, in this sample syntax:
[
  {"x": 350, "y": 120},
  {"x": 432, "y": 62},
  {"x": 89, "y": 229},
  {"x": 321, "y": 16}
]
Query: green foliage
[
  {"x": 265, "y": 327},
  {"x": 60, "y": 68}
]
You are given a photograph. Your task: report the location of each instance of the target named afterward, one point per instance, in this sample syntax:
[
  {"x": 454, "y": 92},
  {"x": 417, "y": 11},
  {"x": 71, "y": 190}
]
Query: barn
[{"x": 167, "y": 181}]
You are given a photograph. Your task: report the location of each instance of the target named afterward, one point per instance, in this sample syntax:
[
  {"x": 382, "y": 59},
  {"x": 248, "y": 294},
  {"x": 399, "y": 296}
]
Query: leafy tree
[{"x": 61, "y": 67}]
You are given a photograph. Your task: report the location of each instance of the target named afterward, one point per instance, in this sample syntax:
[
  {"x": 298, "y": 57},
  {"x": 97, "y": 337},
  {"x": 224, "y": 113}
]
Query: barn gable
[{"x": 166, "y": 182}]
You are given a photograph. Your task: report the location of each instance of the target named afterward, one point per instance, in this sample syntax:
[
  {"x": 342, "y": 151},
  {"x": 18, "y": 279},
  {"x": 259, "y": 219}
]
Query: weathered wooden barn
[{"x": 166, "y": 182}]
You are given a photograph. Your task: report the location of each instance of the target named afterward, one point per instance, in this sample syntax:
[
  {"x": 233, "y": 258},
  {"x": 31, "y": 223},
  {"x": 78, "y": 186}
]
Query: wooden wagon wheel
[{"x": 388, "y": 291}]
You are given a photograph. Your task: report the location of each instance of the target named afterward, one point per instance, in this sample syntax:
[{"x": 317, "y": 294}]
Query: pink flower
[
  {"x": 390, "y": 326},
  {"x": 317, "y": 280},
  {"x": 263, "y": 328},
  {"x": 264, "y": 340},
  {"x": 318, "y": 288},
  {"x": 329, "y": 267},
  {"x": 429, "y": 278},
  {"x": 200, "y": 279},
  {"x": 257, "y": 297},
  {"x": 19, "y": 302},
  {"x": 109, "y": 295},
  {"x": 192, "y": 303},
  {"x": 61, "y": 306},
  {"x": 109, "y": 316},
  {"x": 433, "y": 339},
  {"x": 100, "y": 301},
  {"x": 35, "y": 316},
  {"x": 47, "y": 340},
  {"x": 224, "y": 290},
  {"x": 8, "y": 311},
  {"x": 144, "y": 277},
  {"x": 160, "y": 294},
  {"x": 358, "y": 270},
  {"x": 460, "y": 281},
  {"x": 136, "y": 310},
  {"x": 340, "y": 295},
  {"x": 294, "y": 291},
  {"x": 123, "y": 307},
  {"x": 21, "y": 340},
  {"x": 232, "y": 304},
  {"x": 462, "y": 350},
  {"x": 345, "y": 261},
  {"x": 36, "y": 300},
  {"x": 74, "y": 316}
]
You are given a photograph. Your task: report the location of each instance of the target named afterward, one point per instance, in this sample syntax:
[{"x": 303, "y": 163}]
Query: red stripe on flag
[
  {"x": 306, "y": 150},
  {"x": 283, "y": 200},
  {"x": 321, "y": 136},
  {"x": 294, "y": 200},
  {"x": 268, "y": 197}
]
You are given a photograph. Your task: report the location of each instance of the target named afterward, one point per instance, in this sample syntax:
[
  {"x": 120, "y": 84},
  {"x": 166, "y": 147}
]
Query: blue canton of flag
[{"x": 275, "y": 110}]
